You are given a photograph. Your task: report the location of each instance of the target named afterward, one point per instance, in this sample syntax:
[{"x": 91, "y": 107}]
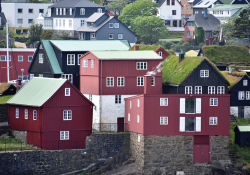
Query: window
[
  {"x": 81, "y": 36},
  {"x": 213, "y": 101},
  {"x": 40, "y": 75},
  {"x": 198, "y": 90},
  {"x": 90, "y": 97},
  {"x": 19, "y": 10},
  {"x": 141, "y": 65},
  {"x": 99, "y": 10},
  {"x": 173, "y": 12},
  {"x": 138, "y": 103},
  {"x": 220, "y": 90},
  {"x": 56, "y": 11},
  {"x": 30, "y": 58},
  {"x": 120, "y": 36},
  {"x": 241, "y": 95},
  {"x": 82, "y": 11},
  {"x": 20, "y": 58},
  {"x": 139, "y": 138},
  {"x": 196, "y": 12},
  {"x": 30, "y": 10},
  {"x": 82, "y": 22},
  {"x": 17, "y": 112},
  {"x": 67, "y": 115},
  {"x": 67, "y": 91},
  {"x": 211, "y": 35},
  {"x": 204, "y": 73},
  {"x": 60, "y": 23},
  {"x": 117, "y": 25},
  {"x": 130, "y": 104},
  {"x": 34, "y": 114},
  {"x": 128, "y": 116},
  {"x": 93, "y": 35},
  {"x": 4, "y": 58},
  {"x": 68, "y": 77},
  {"x": 190, "y": 124},
  {"x": 190, "y": 105},
  {"x": 70, "y": 23},
  {"x": 245, "y": 82},
  {"x": 20, "y": 21},
  {"x": 26, "y": 114},
  {"x": 91, "y": 24},
  {"x": 247, "y": 95},
  {"x": 70, "y": 11},
  {"x": 118, "y": 99},
  {"x": 188, "y": 90},
  {"x": 84, "y": 63},
  {"x": 140, "y": 81},
  {"x": 213, "y": 121},
  {"x": 186, "y": 7},
  {"x": 160, "y": 53},
  {"x": 31, "y": 76},
  {"x": 152, "y": 81},
  {"x": 56, "y": 22},
  {"x": 163, "y": 120},
  {"x": 79, "y": 55},
  {"x": 64, "y": 135},
  {"x": 138, "y": 118},
  {"x": 41, "y": 57},
  {"x": 168, "y": 2},
  {"x": 92, "y": 63},
  {"x": 111, "y": 25},
  {"x": 64, "y": 11},
  {"x": 173, "y": 2},
  {"x": 111, "y": 36},
  {"x": 188, "y": 34},
  {"x": 60, "y": 11},
  {"x": 110, "y": 81},
  {"x": 120, "y": 81},
  {"x": 211, "y": 89},
  {"x": 163, "y": 101},
  {"x": 41, "y": 10},
  {"x": 70, "y": 59}
]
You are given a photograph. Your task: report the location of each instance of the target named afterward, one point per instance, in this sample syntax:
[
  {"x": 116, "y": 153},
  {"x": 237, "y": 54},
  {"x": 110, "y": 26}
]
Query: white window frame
[
  {"x": 4, "y": 58},
  {"x": 90, "y": 97},
  {"x": 152, "y": 81},
  {"x": 141, "y": 65},
  {"x": 163, "y": 101},
  {"x": 82, "y": 11},
  {"x": 20, "y": 58},
  {"x": 111, "y": 36},
  {"x": 213, "y": 120},
  {"x": 92, "y": 63},
  {"x": 138, "y": 118},
  {"x": 99, "y": 10},
  {"x": 110, "y": 81},
  {"x": 120, "y": 81},
  {"x": 93, "y": 35},
  {"x": 211, "y": 89},
  {"x": 120, "y": 36},
  {"x": 116, "y": 25},
  {"x": 140, "y": 81},
  {"x": 128, "y": 116},
  {"x": 197, "y": 124},
  {"x": 70, "y": 23},
  {"x": 26, "y": 114},
  {"x": 220, "y": 90},
  {"x": 60, "y": 11},
  {"x": 241, "y": 95},
  {"x": 64, "y": 135},
  {"x": 138, "y": 103},
  {"x": 245, "y": 82},
  {"x": 204, "y": 73},
  {"x": 160, "y": 53},
  {"x": 130, "y": 104},
  {"x": 67, "y": 114},
  {"x": 70, "y": 11},
  {"x": 56, "y": 11},
  {"x": 64, "y": 11},
  {"x": 163, "y": 120},
  {"x": 29, "y": 58},
  {"x": 118, "y": 99},
  {"x": 213, "y": 101},
  {"x": 79, "y": 55},
  {"x": 247, "y": 95},
  {"x": 111, "y": 25},
  {"x": 34, "y": 115},
  {"x": 41, "y": 58},
  {"x": 67, "y": 91},
  {"x": 70, "y": 59},
  {"x": 198, "y": 90},
  {"x": 17, "y": 112},
  {"x": 188, "y": 90},
  {"x": 68, "y": 77},
  {"x": 84, "y": 63},
  {"x": 82, "y": 22},
  {"x": 40, "y": 75}
]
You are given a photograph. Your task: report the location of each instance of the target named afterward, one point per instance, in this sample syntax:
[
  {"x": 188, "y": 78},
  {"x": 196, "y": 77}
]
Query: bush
[{"x": 165, "y": 44}]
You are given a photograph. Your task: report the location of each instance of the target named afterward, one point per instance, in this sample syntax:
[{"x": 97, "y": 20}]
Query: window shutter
[
  {"x": 198, "y": 124},
  {"x": 182, "y": 124},
  {"x": 198, "y": 105},
  {"x": 182, "y": 105}
]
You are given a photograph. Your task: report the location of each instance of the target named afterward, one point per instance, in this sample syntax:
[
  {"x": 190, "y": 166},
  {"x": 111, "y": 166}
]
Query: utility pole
[{"x": 7, "y": 39}]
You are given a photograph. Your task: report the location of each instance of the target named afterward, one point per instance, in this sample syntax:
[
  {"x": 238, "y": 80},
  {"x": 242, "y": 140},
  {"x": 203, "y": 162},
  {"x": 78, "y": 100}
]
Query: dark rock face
[{"x": 3, "y": 113}]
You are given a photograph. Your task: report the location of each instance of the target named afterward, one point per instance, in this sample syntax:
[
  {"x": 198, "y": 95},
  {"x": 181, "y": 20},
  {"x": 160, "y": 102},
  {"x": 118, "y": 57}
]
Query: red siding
[
  {"x": 89, "y": 84},
  {"x": 164, "y": 53},
  {"x": 191, "y": 29}
]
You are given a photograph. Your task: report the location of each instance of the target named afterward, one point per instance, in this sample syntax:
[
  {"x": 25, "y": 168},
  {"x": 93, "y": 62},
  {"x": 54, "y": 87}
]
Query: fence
[
  {"x": 186, "y": 48},
  {"x": 109, "y": 127}
]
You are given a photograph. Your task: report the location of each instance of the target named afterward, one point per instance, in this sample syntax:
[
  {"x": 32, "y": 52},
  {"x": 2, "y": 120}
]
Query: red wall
[
  {"x": 15, "y": 63},
  {"x": 191, "y": 29},
  {"x": 164, "y": 53},
  {"x": 153, "y": 111}
]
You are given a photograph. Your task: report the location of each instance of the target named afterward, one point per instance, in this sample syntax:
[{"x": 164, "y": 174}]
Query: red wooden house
[
  {"x": 53, "y": 112},
  {"x": 159, "y": 50},
  {"x": 19, "y": 59}
]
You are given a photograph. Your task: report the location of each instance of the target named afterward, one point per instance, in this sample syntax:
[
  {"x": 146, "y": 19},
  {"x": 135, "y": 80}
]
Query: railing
[
  {"x": 187, "y": 48},
  {"x": 109, "y": 127}
]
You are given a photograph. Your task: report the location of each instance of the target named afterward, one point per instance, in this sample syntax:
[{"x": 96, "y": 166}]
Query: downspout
[{"x": 101, "y": 98}]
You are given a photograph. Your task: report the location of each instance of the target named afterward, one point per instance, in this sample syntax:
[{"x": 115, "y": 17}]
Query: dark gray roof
[
  {"x": 75, "y": 3},
  {"x": 3, "y": 19},
  {"x": 208, "y": 24},
  {"x": 160, "y": 2},
  {"x": 86, "y": 28},
  {"x": 94, "y": 17}
]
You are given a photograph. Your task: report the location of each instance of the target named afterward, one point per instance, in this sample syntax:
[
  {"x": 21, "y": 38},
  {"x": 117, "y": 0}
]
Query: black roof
[{"x": 75, "y": 3}]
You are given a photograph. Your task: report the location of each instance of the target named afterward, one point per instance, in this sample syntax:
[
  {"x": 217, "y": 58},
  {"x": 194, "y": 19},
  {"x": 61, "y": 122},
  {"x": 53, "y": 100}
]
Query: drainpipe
[{"x": 101, "y": 97}]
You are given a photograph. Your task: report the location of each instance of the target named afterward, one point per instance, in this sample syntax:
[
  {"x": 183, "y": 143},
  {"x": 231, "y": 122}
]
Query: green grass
[
  {"x": 151, "y": 47},
  {"x": 5, "y": 98},
  {"x": 10, "y": 143}
]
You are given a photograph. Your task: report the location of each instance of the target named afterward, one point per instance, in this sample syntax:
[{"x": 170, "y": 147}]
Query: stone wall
[
  {"x": 21, "y": 135},
  {"x": 3, "y": 113},
  {"x": 137, "y": 148}
]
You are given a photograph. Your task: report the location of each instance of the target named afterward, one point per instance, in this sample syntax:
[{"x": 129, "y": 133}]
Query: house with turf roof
[
  {"x": 60, "y": 58},
  {"x": 192, "y": 75},
  {"x": 51, "y": 114},
  {"x": 7, "y": 89}
]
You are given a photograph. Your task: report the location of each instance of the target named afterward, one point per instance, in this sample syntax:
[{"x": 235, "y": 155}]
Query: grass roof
[
  {"x": 232, "y": 79},
  {"x": 4, "y": 87},
  {"x": 151, "y": 47},
  {"x": 227, "y": 54}
]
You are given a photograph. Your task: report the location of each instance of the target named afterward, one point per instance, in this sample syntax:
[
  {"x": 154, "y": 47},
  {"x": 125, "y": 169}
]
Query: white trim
[
  {"x": 120, "y": 81},
  {"x": 140, "y": 81},
  {"x": 198, "y": 105},
  {"x": 128, "y": 116},
  {"x": 241, "y": 95},
  {"x": 163, "y": 120},
  {"x": 20, "y": 56},
  {"x": 64, "y": 135},
  {"x": 70, "y": 59},
  {"x": 138, "y": 102},
  {"x": 204, "y": 73},
  {"x": 17, "y": 112},
  {"x": 182, "y": 124},
  {"x": 213, "y": 101},
  {"x": 67, "y": 114},
  {"x": 34, "y": 115},
  {"x": 26, "y": 114},
  {"x": 84, "y": 63},
  {"x": 163, "y": 101},
  {"x": 213, "y": 120},
  {"x": 141, "y": 65},
  {"x": 182, "y": 105},
  {"x": 198, "y": 90},
  {"x": 67, "y": 91},
  {"x": 138, "y": 118},
  {"x": 110, "y": 81},
  {"x": 197, "y": 124},
  {"x": 188, "y": 90},
  {"x": 211, "y": 89}
]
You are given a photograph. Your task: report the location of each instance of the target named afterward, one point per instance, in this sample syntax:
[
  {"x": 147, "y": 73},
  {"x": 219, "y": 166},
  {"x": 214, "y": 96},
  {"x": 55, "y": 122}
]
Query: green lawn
[
  {"x": 4, "y": 99},
  {"x": 10, "y": 143}
]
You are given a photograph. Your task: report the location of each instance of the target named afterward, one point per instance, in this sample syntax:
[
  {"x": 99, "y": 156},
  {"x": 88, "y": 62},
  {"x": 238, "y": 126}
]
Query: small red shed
[{"x": 53, "y": 112}]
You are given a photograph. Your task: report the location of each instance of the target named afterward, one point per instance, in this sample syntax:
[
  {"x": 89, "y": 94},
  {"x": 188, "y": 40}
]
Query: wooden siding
[
  {"x": 191, "y": 29},
  {"x": 164, "y": 53}
]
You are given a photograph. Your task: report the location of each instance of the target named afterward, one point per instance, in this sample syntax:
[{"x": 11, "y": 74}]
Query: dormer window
[
  {"x": 82, "y": 11},
  {"x": 64, "y": 11},
  {"x": 245, "y": 82},
  {"x": 91, "y": 24},
  {"x": 99, "y": 10},
  {"x": 60, "y": 11},
  {"x": 56, "y": 11},
  {"x": 204, "y": 73},
  {"x": 160, "y": 53}
]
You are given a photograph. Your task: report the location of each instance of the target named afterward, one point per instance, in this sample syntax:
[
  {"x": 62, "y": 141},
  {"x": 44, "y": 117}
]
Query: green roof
[
  {"x": 244, "y": 128},
  {"x": 52, "y": 57},
  {"x": 127, "y": 55},
  {"x": 125, "y": 42},
  {"x": 228, "y": 6},
  {"x": 37, "y": 91},
  {"x": 237, "y": 14},
  {"x": 151, "y": 47},
  {"x": 89, "y": 45},
  {"x": 227, "y": 54},
  {"x": 226, "y": 1}
]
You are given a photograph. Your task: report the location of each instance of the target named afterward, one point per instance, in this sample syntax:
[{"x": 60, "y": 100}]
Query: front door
[
  {"x": 201, "y": 153},
  {"x": 120, "y": 124},
  {"x": 175, "y": 23}
]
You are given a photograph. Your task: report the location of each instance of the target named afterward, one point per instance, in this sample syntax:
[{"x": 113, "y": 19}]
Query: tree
[
  {"x": 149, "y": 28},
  {"x": 199, "y": 35},
  {"x": 138, "y": 8},
  {"x": 35, "y": 31},
  {"x": 242, "y": 24},
  {"x": 97, "y": 1},
  {"x": 47, "y": 34},
  {"x": 227, "y": 31},
  {"x": 116, "y": 6},
  {"x": 39, "y": 1}
]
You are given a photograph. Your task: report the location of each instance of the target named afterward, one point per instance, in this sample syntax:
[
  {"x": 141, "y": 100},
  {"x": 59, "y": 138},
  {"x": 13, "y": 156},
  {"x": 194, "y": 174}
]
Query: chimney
[
  {"x": 136, "y": 47},
  {"x": 181, "y": 57},
  {"x": 205, "y": 14},
  {"x": 147, "y": 84}
]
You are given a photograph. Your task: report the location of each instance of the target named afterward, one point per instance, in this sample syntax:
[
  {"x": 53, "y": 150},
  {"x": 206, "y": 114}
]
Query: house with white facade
[
  {"x": 200, "y": 6},
  {"x": 22, "y": 15},
  {"x": 68, "y": 15}
]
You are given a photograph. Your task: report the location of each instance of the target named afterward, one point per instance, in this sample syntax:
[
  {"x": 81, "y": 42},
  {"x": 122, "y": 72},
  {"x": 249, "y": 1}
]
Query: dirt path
[{"x": 131, "y": 169}]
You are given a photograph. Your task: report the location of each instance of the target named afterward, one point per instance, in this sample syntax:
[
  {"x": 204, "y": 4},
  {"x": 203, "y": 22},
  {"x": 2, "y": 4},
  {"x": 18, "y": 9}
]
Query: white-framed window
[
  {"x": 26, "y": 114},
  {"x": 81, "y": 36},
  {"x": 92, "y": 62},
  {"x": 68, "y": 77},
  {"x": 118, "y": 99},
  {"x": 82, "y": 11},
  {"x": 163, "y": 101},
  {"x": 116, "y": 25},
  {"x": 220, "y": 90},
  {"x": 138, "y": 102},
  {"x": 93, "y": 35},
  {"x": 56, "y": 11},
  {"x": 90, "y": 97},
  {"x": 130, "y": 104},
  {"x": 128, "y": 116},
  {"x": 70, "y": 11},
  {"x": 40, "y": 75},
  {"x": 163, "y": 120},
  {"x": 245, "y": 82},
  {"x": 20, "y": 10},
  {"x": 82, "y": 22},
  {"x": 140, "y": 81},
  {"x": 60, "y": 22},
  {"x": 213, "y": 120},
  {"x": 120, "y": 81},
  {"x": 120, "y": 36},
  {"x": 31, "y": 76},
  {"x": 247, "y": 95},
  {"x": 79, "y": 55},
  {"x": 64, "y": 11},
  {"x": 70, "y": 23},
  {"x": 241, "y": 95},
  {"x": 41, "y": 57},
  {"x": 64, "y": 135},
  {"x": 56, "y": 22},
  {"x": 49, "y": 11},
  {"x": 141, "y": 65},
  {"x": 152, "y": 81},
  {"x": 160, "y": 53},
  {"x": 60, "y": 11},
  {"x": 4, "y": 58},
  {"x": 138, "y": 118},
  {"x": 20, "y": 58},
  {"x": 213, "y": 101},
  {"x": 67, "y": 91},
  {"x": 211, "y": 35},
  {"x": 84, "y": 63},
  {"x": 34, "y": 115},
  {"x": 20, "y": 21},
  {"x": 111, "y": 25},
  {"x": 188, "y": 34},
  {"x": 17, "y": 112},
  {"x": 30, "y": 58},
  {"x": 99, "y": 10},
  {"x": 30, "y": 21},
  {"x": 211, "y": 89},
  {"x": 111, "y": 36},
  {"x": 67, "y": 115},
  {"x": 189, "y": 124},
  {"x": 110, "y": 81},
  {"x": 190, "y": 105},
  {"x": 70, "y": 59},
  {"x": 204, "y": 73},
  {"x": 198, "y": 90},
  {"x": 188, "y": 90}
]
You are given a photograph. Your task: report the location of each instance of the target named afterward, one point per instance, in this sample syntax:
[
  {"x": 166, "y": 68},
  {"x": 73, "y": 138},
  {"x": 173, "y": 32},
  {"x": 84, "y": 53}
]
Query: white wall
[
  {"x": 77, "y": 22},
  {"x": 166, "y": 11},
  {"x": 62, "y": 27},
  {"x": 234, "y": 110}
]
